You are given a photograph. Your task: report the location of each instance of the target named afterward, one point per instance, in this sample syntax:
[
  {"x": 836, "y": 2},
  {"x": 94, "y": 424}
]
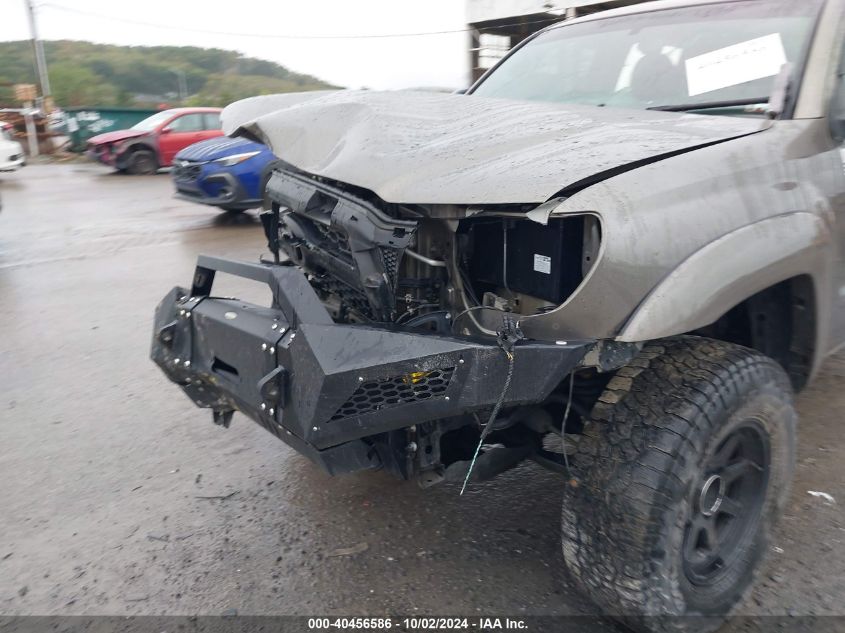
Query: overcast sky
[{"x": 383, "y": 63}]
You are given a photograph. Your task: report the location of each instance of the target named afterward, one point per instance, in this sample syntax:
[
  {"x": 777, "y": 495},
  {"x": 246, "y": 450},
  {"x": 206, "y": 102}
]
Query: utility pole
[
  {"x": 40, "y": 60},
  {"x": 182, "y": 84}
]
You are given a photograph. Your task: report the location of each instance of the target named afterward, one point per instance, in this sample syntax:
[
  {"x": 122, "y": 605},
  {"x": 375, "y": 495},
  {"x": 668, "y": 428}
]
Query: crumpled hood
[
  {"x": 115, "y": 136},
  {"x": 427, "y": 148}
]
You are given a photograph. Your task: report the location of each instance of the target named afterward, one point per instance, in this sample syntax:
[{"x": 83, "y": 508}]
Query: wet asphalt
[{"x": 118, "y": 496}]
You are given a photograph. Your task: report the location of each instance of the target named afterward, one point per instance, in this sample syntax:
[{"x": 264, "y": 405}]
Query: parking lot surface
[{"x": 118, "y": 496}]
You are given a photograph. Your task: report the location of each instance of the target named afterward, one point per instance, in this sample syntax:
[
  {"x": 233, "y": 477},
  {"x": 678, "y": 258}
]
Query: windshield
[
  {"x": 708, "y": 54},
  {"x": 152, "y": 122}
]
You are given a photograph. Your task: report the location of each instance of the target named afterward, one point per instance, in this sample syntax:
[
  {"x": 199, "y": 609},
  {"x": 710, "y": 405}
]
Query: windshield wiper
[{"x": 683, "y": 107}]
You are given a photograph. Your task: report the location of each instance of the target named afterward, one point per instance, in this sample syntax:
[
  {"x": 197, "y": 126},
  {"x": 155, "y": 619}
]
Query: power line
[{"x": 184, "y": 29}]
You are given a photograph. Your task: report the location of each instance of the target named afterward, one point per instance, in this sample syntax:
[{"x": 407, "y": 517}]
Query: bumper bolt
[
  {"x": 272, "y": 350},
  {"x": 272, "y": 411},
  {"x": 264, "y": 347},
  {"x": 187, "y": 363},
  {"x": 274, "y": 326},
  {"x": 263, "y": 406},
  {"x": 447, "y": 398},
  {"x": 360, "y": 379},
  {"x": 460, "y": 361}
]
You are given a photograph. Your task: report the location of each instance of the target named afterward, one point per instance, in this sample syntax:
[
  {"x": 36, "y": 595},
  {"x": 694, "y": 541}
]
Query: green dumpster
[{"x": 83, "y": 123}]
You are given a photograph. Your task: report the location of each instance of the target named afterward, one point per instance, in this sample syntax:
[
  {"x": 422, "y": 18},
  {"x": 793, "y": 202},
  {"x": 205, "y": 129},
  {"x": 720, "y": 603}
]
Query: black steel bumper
[{"x": 322, "y": 387}]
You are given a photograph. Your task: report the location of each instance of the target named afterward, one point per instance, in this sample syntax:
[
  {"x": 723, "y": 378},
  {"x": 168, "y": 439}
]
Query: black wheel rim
[{"x": 726, "y": 504}]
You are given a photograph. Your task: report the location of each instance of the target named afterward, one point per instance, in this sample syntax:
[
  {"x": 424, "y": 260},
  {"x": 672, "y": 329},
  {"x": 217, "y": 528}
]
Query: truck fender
[{"x": 727, "y": 271}]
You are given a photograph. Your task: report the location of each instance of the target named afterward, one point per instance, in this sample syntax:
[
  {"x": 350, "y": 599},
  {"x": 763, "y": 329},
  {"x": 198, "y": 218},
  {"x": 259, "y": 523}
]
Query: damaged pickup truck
[{"x": 618, "y": 256}]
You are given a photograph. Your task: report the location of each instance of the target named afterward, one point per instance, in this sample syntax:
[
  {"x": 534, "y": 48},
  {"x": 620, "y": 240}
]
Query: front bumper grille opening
[
  {"x": 355, "y": 300},
  {"x": 390, "y": 261},
  {"x": 333, "y": 241},
  {"x": 187, "y": 172},
  {"x": 405, "y": 389}
]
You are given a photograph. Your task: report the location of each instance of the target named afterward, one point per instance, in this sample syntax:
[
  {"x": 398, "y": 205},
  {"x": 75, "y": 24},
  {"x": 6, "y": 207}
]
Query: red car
[{"x": 153, "y": 142}]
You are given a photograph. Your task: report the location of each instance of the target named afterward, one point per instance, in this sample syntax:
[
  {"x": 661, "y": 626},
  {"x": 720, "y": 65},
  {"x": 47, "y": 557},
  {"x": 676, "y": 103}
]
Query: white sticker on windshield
[{"x": 733, "y": 65}]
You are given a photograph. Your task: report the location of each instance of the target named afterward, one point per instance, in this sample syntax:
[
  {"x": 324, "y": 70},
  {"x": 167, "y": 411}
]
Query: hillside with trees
[{"x": 87, "y": 74}]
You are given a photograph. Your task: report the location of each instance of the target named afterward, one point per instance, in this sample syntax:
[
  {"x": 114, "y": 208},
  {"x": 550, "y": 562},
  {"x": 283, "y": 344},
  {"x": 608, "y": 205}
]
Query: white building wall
[{"x": 483, "y": 10}]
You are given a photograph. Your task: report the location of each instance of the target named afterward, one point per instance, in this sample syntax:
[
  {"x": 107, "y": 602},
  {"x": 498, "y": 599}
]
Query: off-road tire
[
  {"x": 638, "y": 466},
  {"x": 142, "y": 162}
]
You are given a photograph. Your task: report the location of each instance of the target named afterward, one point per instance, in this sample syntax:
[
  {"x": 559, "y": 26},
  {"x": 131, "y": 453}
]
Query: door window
[
  {"x": 187, "y": 123},
  {"x": 212, "y": 121}
]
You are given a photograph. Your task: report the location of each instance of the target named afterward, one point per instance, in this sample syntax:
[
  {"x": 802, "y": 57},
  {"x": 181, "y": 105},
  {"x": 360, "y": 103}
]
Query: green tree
[
  {"x": 78, "y": 86},
  {"x": 223, "y": 89},
  {"x": 88, "y": 74}
]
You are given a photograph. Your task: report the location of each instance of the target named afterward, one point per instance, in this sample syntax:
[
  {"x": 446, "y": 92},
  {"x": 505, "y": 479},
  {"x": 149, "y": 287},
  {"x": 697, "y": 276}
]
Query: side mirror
[{"x": 166, "y": 130}]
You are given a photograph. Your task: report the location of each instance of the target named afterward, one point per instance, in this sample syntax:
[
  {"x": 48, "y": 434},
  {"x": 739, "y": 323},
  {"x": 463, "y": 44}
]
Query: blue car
[{"x": 229, "y": 173}]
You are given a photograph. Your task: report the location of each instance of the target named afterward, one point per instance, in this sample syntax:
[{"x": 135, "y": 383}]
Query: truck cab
[{"x": 619, "y": 255}]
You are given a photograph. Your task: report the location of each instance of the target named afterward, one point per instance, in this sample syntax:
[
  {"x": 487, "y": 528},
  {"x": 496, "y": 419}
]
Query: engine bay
[{"x": 431, "y": 268}]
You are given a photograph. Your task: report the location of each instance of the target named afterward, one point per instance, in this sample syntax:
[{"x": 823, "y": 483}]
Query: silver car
[{"x": 617, "y": 255}]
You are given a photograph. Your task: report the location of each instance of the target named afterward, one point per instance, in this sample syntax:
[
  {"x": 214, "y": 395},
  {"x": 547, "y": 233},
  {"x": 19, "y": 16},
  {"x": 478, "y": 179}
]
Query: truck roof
[{"x": 644, "y": 7}]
